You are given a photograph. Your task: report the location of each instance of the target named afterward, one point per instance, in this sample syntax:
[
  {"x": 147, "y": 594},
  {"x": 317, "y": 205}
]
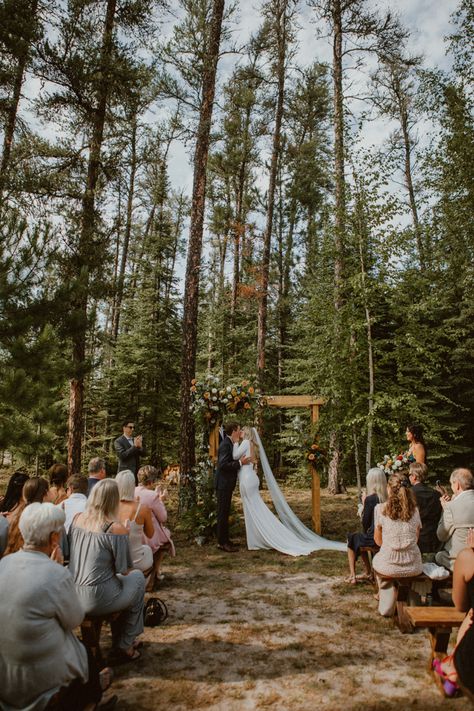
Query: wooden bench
[
  {"x": 403, "y": 587},
  {"x": 439, "y": 621},
  {"x": 91, "y": 627}
]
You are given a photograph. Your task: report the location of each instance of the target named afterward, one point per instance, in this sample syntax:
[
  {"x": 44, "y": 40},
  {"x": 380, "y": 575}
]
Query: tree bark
[
  {"x": 86, "y": 249},
  {"x": 193, "y": 265},
  {"x": 128, "y": 230},
  {"x": 281, "y": 25},
  {"x": 334, "y": 483}
]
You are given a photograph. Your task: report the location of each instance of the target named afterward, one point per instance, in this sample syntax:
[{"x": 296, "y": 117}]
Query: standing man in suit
[
  {"x": 129, "y": 449},
  {"x": 226, "y": 479},
  {"x": 457, "y": 518}
]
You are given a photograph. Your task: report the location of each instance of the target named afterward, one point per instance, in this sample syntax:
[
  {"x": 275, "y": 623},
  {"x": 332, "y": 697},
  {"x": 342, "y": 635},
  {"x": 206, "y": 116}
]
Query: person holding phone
[{"x": 150, "y": 493}]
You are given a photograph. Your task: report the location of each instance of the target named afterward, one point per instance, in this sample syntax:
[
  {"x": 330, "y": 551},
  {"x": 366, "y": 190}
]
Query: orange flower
[
  {"x": 236, "y": 398},
  {"x": 247, "y": 406},
  {"x": 314, "y": 446},
  {"x": 311, "y": 457},
  {"x": 193, "y": 388},
  {"x": 251, "y": 390},
  {"x": 193, "y": 381},
  {"x": 206, "y": 396}
]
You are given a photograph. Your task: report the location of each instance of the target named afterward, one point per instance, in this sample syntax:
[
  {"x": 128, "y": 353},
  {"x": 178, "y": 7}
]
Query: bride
[{"x": 286, "y": 533}]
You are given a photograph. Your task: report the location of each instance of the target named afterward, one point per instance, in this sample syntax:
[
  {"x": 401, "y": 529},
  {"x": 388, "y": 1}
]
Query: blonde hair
[
  {"x": 126, "y": 485},
  {"x": 376, "y": 483},
  {"x": 401, "y": 503},
  {"x": 102, "y": 504},
  {"x": 249, "y": 433},
  {"x": 148, "y": 474}
]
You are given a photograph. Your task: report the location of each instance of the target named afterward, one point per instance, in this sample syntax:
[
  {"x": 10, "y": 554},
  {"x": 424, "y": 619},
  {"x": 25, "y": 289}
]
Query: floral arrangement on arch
[
  {"x": 393, "y": 463},
  {"x": 213, "y": 401},
  {"x": 314, "y": 454}
]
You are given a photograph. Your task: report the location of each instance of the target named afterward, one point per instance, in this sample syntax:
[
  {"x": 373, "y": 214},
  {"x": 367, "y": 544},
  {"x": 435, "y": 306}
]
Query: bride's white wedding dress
[{"x": 287, "y": 533}]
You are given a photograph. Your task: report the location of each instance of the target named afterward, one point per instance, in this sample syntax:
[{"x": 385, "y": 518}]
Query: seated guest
[
  {"x": 376, "y": 485},
  {"x": 101, "y": 566},
  {"x": 40, "y": 656},
  {"x": 97, "y": 472},
  {"x": 3, "y": 534},
  {"x": 35, "y": 490},
  {"x": 13, "y": 493},
  {"x": 429, "y": 506},
  {"x": 57, "y": 481},
  {"x": 458, "y": 668},
  {"x": 136, "y": 517},
  {"x": 153, "y": 496},
  {"x": 397, "y": 527},
  {"x": 76, "y": 489},
  {"x": 457, "y": 517}
]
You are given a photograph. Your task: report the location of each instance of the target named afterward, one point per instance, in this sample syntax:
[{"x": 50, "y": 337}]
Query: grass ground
[{"x": 259, "y": 630}]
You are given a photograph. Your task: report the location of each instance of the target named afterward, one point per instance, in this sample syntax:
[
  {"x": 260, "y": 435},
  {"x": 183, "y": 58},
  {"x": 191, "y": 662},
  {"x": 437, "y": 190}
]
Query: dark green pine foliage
[
  {"x": 145, "y": 368},
  {"x": 32, "y": 365}
]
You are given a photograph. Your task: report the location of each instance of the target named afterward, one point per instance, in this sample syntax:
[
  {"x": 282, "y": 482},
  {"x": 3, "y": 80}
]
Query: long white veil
[{"x": 286, "y": 515}]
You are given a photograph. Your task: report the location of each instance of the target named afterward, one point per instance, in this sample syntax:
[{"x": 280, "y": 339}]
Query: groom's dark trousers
[{"x": 226, "y": 479}]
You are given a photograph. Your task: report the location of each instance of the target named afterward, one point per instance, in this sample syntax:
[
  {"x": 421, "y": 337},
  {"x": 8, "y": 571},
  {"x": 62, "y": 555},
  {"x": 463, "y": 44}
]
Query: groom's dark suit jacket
[{"x": 227, "y": 466}]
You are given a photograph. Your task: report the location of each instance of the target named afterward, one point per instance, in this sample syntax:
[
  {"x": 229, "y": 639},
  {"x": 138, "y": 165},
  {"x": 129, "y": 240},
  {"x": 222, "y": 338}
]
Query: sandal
[
  {"x": 366, "y": 577},
  {"x": 120, "y": 656},
  {"x": 106, "y": 676},
  {"x": 449, "y": 685},
  {"x": 352, "y": 580}
]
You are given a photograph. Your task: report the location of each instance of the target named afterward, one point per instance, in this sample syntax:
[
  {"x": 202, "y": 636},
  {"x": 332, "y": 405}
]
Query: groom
[{"x": 226, "y": 479}]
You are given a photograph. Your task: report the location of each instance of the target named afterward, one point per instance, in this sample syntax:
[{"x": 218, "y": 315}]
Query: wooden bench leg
[
  {"x": 90, "y": 633},
  {"x": 439, "y": 639},
  {"x": 401, "y": 618}
]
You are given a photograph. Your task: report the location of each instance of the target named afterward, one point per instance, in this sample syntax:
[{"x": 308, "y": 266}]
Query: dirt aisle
[{"x": 258, "y": 630}]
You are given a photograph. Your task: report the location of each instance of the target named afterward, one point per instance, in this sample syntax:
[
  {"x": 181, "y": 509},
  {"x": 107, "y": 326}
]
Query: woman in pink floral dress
[
  {"x": 397, "y": 527},
  {"x": 150, "y": 494}
]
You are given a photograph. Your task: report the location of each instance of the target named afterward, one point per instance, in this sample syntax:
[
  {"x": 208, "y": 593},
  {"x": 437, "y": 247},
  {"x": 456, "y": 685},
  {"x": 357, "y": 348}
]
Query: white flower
[
  {"x": 229, "y": 389},
  {"x": 225, "y": 401},
  {"x": 214, "y": 399},
  {"x": 214, "y": 391}
]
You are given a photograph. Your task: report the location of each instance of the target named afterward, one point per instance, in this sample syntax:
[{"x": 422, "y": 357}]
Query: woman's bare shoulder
[{"x": 118, "y": 529}]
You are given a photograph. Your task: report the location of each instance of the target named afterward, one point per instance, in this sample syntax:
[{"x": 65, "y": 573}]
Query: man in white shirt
[
  {"x": 457, "y": 517},
  {"x": 76, "y": 489}
]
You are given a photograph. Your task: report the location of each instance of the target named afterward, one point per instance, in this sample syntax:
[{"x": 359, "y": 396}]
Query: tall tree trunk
[
  {"x": 86, "y": 249},
  {"x": 408, "y": 174},
  {"x": 193, "y": 266},
  {"x": 128, "y": 230},
  {"x": 12, "y": 110},
  {"x": 334, "y": 475},
  {"x": 281, "y": 24},
  {"x": 238, "y": 231}
]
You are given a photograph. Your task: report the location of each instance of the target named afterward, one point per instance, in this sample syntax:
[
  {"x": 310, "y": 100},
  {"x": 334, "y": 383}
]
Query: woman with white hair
[
  {"x": 101, "y": 566},
  {"x": 40, "y": 658},
  {"x": 376, "y": 493},
  {"x": 136, "y": 518}
]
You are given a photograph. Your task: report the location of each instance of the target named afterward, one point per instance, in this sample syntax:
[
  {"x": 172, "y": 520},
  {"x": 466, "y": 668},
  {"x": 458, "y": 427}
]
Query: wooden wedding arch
[{"x": 288, "y": 401}]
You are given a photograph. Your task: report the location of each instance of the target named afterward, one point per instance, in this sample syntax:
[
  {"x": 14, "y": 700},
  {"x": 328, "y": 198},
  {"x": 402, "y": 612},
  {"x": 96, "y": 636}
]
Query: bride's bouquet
[{"x": 393, "y": 463}]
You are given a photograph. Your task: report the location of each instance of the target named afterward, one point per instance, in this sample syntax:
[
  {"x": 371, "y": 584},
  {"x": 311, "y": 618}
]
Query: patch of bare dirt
[{"x": 259, "y": 630}]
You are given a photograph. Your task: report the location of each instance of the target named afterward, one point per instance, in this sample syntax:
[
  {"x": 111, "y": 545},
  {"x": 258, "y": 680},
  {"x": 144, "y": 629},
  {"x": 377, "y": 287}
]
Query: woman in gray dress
[
  {"x": 40, "y": 658},
  {"x": 101, "y": 566}
]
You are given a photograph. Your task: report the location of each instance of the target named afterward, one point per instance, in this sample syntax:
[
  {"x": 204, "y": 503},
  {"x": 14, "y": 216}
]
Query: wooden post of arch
[{"x": 314, "y": 403}]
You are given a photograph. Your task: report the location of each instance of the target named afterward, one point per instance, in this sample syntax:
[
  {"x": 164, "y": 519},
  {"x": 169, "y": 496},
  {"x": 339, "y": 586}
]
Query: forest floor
[{"x": 260, "y": 630}]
